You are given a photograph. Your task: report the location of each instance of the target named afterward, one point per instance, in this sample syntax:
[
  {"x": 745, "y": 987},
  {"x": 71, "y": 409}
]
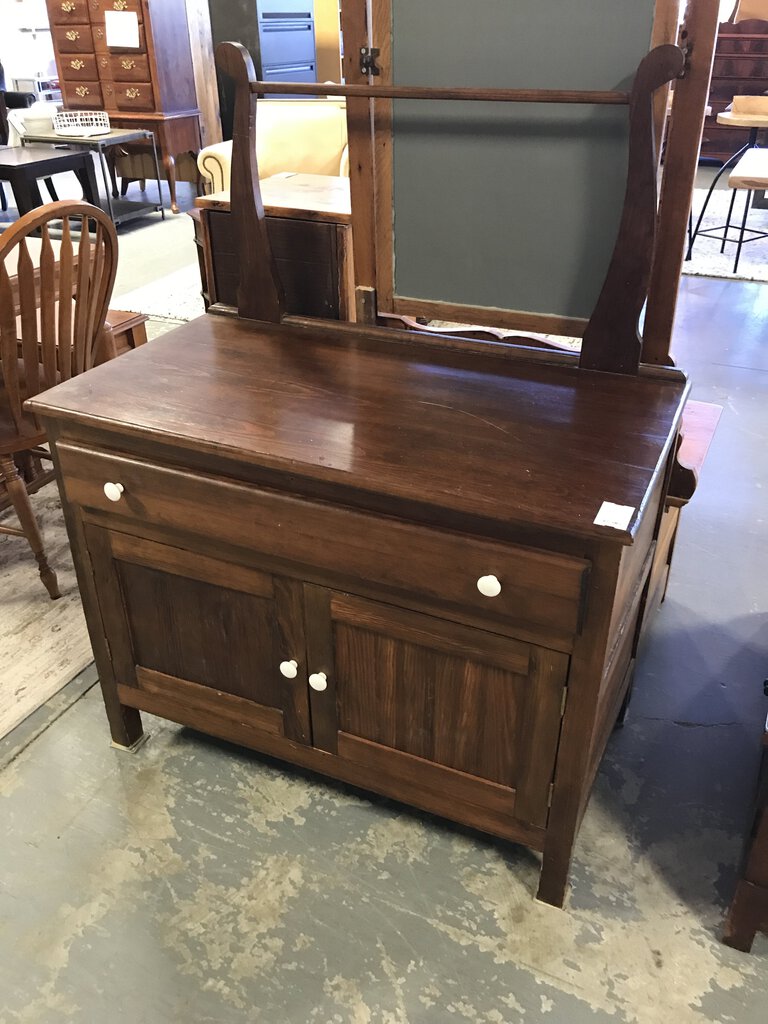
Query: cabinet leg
[
  {"x": 555, "y": 869},
  {"x": 124, "y": 722},
  {"x": 169, "y": 162},
  {"x": 748, "y": 914}
]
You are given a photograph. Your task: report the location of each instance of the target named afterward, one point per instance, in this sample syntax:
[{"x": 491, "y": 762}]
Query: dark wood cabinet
[
  {"x": 740, "y": 69},
  {"x": 375, "y": 558},
  {"x": 150, "y": 86}
]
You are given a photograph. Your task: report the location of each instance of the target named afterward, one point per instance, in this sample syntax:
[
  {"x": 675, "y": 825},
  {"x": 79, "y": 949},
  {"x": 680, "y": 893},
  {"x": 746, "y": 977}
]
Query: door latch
[{"x": 368, "y": 65}]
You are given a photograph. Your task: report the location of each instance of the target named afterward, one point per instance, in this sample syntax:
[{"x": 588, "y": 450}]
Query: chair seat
[{"x": 751, "y": 171}]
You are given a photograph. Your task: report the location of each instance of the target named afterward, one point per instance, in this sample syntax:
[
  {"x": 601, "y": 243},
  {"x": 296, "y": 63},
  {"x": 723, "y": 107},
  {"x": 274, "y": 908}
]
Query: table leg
[
  {"x": 3, "y": 200},
  {"x": 87, "y": 178},
  {"x": 107, "y": 183},
  {"x": 26, "y": 193},
  {"x": 51, "y": 189},
  {"x": 157, "y": 174}
]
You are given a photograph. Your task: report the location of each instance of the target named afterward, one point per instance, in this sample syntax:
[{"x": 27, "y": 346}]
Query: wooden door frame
[{"x": 368, "y": 22}]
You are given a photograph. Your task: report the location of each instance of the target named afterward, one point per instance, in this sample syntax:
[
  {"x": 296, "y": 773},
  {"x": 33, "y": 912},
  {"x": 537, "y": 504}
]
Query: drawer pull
[
  {"x": 290, "y": 669},
  {"x": 133, "y": 94},
  {"x": 489, "y": 586},
  {"x": 82, "y": 91},
  {"x": 68, "y": 6},
  {"x": 318, "y": 681},
  {"x": 77, "y": 65},
  {"x": 72, "y": 35},
  {"x": 120, "y": 5},
  {"x": 113, "y": 491},
  {"x": 128, "y": 65}
]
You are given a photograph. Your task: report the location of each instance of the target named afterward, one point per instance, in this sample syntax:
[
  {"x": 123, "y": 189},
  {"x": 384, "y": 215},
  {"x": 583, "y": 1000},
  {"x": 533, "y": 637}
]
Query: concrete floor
[{"x": 200, "y": 883}]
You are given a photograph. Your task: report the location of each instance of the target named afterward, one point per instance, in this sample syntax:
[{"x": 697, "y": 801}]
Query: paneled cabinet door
[
  {"x": 463, "y": 713},
  {"x": 180, "y": 624}
]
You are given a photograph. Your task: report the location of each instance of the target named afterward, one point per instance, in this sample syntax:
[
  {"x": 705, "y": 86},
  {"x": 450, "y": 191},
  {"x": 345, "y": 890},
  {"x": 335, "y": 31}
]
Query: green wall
[{"x": 514, "y": 206}]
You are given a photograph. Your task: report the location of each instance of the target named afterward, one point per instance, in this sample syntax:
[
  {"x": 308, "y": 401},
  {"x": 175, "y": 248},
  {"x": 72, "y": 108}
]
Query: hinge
[
  {"x": 368, "y": 65},
  {"x": 563, "y": 701},
  {"x": 551, "y": 794}
]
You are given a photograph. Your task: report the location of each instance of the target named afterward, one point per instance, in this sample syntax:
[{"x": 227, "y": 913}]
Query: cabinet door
[
  {"x": 201, "y": 638},
  {"x": 465, "y": 716}
]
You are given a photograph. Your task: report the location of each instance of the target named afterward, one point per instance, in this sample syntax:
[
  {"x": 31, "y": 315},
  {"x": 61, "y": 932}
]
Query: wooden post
[
  {"x": 698, "y": 36},
  {"x": 259, "y": 292},
  {"x": 355, "y": 26}
]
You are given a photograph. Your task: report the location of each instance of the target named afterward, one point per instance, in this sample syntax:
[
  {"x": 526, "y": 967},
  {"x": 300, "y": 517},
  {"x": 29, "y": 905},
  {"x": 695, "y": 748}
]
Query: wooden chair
[{"x": 61, "y": 307}]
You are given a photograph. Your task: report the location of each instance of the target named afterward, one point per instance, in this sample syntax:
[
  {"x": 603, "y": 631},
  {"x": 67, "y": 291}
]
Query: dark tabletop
[
  {"x": 20, "y": 156},
  {"x": 508, "y": 440}
]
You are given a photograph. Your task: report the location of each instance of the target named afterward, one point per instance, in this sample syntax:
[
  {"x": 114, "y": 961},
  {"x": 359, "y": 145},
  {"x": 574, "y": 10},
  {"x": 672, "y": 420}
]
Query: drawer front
[
  {"x": 73, "y": 38},
  {"x": 134, "y": 97},
  {"x": 79, "y": 68},
  {"x": 68, "y": 12},
  {"x": 126, "y": 68},
  {"x": 100, "y": 41},
  {"x": 83, "y": 95},
  {"x": 530, "y": 587},
  {"x": 99, "y": 7}
]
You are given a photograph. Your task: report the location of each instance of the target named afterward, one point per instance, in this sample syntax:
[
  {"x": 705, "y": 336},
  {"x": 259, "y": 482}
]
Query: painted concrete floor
[{"x": 196, "y": 882}]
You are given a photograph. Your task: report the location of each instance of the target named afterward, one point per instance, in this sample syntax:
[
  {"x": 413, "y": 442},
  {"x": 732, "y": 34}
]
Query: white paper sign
[
  {"x": 617, "y": 516},
  {"x": 122, "y": 29}
]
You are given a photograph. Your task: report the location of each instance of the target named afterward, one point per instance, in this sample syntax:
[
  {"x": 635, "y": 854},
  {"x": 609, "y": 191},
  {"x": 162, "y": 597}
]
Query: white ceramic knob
[
  {"x": 114, "y": 491},
  {"x": 290, "y": 669},
  {"x": 489, "y": 586},
  {"x": 318, "y": 681}
]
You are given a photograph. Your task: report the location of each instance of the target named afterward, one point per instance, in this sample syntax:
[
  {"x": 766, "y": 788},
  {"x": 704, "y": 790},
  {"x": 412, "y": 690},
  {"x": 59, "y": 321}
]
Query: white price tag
[
  {"x": 122, "y": 29},
  {"x": 617, "y": 516}
]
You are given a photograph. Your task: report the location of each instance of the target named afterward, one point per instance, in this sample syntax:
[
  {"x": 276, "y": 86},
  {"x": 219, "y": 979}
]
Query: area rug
[
  {"x": 707, "y": 259},
  {"x": 175, "y": 296},
  {"x": 43, "y": 643}
]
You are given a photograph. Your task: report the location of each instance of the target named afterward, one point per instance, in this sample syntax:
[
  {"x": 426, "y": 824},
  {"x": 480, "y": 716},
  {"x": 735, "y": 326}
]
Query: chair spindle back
[{"x": 52, "y": 315}]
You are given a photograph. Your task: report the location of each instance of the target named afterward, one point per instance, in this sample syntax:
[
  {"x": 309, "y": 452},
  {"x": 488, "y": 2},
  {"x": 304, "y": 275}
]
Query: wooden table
[
  {"x": 119, "y": 210},
  {"x": 21, "y": 168},
  {"x": 375, "y": 555},
  {"x": 309, "y": 223}
]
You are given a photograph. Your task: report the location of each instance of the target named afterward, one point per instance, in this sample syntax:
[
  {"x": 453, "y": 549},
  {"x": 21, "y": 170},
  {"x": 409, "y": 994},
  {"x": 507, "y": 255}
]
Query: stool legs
[
  {"x": 743, "y": 230},
  {"x": 728, "y": 222}
]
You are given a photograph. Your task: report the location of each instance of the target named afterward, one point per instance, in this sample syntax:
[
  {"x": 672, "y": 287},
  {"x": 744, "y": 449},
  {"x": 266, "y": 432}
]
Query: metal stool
[{"x": 751, "y": 174}]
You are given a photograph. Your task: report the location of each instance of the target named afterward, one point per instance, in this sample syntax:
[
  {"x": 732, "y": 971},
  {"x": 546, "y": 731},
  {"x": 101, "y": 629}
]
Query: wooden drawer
[
  {"x": 73, "y": 39},
  {"x": 83, "y": 95},
  {"x": 100, "y": 41},
  {"x": 134, "y": 97},
  {"x": 68, "y": 12},
  {"x": 340, "y": 545},
  {"x": 79, "y": 67},
  {"x": 125, "y": 68},
  {"x": 98, "y": 7}
]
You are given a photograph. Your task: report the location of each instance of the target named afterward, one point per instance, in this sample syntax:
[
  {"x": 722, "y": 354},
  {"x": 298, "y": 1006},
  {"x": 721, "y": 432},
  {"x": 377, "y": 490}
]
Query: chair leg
[{"x": 17, "y": 492}]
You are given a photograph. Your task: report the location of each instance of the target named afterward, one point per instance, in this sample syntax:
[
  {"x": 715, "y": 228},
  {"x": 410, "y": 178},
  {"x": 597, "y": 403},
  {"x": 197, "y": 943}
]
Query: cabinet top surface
[{"x": 506, "y": 439}]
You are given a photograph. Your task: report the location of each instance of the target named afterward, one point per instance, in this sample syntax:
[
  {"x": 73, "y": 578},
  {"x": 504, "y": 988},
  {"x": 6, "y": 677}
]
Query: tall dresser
[{"x": 150, "y": 85}]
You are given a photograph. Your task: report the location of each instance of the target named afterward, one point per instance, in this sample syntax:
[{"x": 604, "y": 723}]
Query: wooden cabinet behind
[
  {"x": 151, "y": 85},
  {"x": 740, "y": 69}
]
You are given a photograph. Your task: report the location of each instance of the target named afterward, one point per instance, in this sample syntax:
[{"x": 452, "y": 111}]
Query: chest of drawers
[
  {"x": 150, "y": 85},
  {"x": 375, "y": 559}
]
